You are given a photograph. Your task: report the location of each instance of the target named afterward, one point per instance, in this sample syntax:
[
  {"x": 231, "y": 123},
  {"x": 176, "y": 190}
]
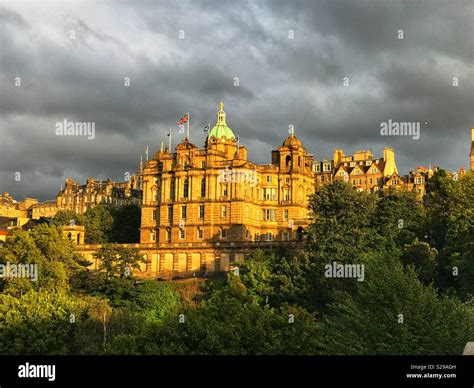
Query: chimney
[{"x": 389, "y": 158}]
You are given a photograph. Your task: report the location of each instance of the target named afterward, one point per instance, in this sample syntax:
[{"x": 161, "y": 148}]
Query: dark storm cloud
[{"x": 282, "y": 81}]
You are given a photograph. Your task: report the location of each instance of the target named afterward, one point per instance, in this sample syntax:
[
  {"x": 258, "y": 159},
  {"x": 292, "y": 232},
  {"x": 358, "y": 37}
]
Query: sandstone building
[
  {"x": 368, "y": 173},
  {"x": 79, "y": 197}
]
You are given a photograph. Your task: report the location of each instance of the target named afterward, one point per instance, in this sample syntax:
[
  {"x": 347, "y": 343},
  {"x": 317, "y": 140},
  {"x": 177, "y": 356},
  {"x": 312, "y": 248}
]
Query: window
[
  {"x": 317, "y": 167},
  {"x": 199, "y": 233},
  {"x": 224, "y": 190},
  {"x": 374, "y": 170},
  {"x": 172, "y": 188},
  {"x": 268, "y": 214},
  {"x": 268, "y": 236},
  {"x": 368, "y": 163},
  {"x": 153, "y": 215},
  {"x": 357, "y": 172},
  {"x": 247, "y": 234},
  {"x": 285, "y": 214},
  {"x": 352, "y": 164},
  {"x": 257, "y": 236},
  {"x": 299, "y": 161},
  {"x": 182, "y": 234},
  {"x": 170, "y": 214},
  {"x": 287, "y": 180},
  {"x": 269, "y": 194},
  {"x": 183, "y": 212},
  {"x": 418, "y": 180},
  {"x": 284, "y": 236},
  {"x": 201, "y": 212},
  {"x": 186, "y": 188},
  {"x": 395, "y": 182},
  {"x": 152, "y": 235},
  {"x": 327, "y": 167},
  {"x": 286, "y": 194},
  {"x": 360, "y": 181},
  {"x": 370, "y": 180},
  {"x": 203, "y": 164},
  {"x": 203, "y": 187},
  {"x": 223, "y": 233},
  {"x": 269, "y": 179},
  {"x": 224, "y": 211},
  {"x": 168, "y": 234}
]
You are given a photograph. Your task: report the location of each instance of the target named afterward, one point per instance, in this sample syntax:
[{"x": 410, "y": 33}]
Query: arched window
[
  {"x": 288, "y": 161},
  {"x": 299, "y": 161}
]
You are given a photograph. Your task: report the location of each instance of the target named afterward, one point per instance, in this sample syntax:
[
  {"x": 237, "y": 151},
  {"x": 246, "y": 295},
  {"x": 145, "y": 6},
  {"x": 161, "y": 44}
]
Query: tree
[
  {"x": 98, "y": 223},
  {"x": 100, "y": 310},
  {"x": 423, "y": 258},
  {"x": 45, "y": 247},
  {"x": 118, "y": 261},
  {"x": 231, "y": 323},
  {"x": 393, "y": 313},
  {"x": 67, "y": 217}
]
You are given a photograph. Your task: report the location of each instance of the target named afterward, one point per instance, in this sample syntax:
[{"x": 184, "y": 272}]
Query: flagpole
[
  {"x": 169, "y": 146},
  {"x": 189, "y": 119}
]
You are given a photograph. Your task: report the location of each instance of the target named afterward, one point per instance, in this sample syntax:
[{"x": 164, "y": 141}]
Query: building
[
  {"x": 79, "y": 197},
  {"x": 205, "y": 208},
  {"x": 368, "y": 173},
  {"x": 12, "y": 208}
]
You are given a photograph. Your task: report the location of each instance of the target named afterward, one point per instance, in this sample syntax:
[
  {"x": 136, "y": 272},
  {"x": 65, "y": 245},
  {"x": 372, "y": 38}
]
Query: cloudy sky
[{"x": 70, "y": 61}]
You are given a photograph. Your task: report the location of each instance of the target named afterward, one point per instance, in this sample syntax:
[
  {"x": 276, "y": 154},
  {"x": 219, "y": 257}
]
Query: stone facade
[
  {"x": 369, "y": 173},
  {"x": 79, "y": 197},
  {"x": 216, "y": 195}
]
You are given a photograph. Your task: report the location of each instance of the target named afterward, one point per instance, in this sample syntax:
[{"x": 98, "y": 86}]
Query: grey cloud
[{"x": 282, "y": 81}]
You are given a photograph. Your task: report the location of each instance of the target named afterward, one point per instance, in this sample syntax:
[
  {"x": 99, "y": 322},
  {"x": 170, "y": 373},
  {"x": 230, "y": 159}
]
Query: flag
[
  {"x": 184, "y": 119},
  {"x": 207, "y": 128}
]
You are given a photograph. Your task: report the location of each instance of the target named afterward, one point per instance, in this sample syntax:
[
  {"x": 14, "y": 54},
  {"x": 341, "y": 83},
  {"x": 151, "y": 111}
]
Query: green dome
[{"x": 221, "y": 129}]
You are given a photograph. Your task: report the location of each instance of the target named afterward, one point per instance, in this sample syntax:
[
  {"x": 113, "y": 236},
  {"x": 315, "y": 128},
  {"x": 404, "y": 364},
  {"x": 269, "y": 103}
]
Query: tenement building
[
  {"x": 79, "y": 198},
  {"x": 368, "y": 173}
]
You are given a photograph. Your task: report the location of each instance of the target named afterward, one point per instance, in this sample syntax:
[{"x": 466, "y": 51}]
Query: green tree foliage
[
  {"x": 98, "y": 222},
  {"x": 126, "y": 225},
  {"x": 37, "y": 322},
  {"x": 119, "y": 261},
  {"x": 394, "y": 313},
  {"x": 67, "y": 217},
  {"x": 231, "y": 323},
  {"x": 105, "y": 223},
  {"x": 423, "y": 258},
  {"x": 45, "y": 246}
]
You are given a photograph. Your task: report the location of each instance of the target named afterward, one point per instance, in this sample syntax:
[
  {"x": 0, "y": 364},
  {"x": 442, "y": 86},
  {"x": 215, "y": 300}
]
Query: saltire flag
[
  {"x": 184, "y": 119},
  {"x": 207, "y": 128}
]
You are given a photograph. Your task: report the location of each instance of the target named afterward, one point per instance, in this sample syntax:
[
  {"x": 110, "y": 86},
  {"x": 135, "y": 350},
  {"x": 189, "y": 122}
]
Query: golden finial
[{"x": 221, "y": 106}]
